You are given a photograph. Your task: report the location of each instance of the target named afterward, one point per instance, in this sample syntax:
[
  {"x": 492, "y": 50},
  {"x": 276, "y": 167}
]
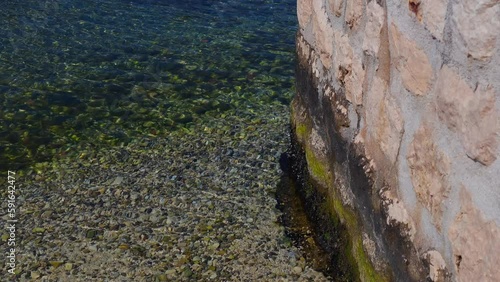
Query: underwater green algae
[{"x": 106, "y": 72}]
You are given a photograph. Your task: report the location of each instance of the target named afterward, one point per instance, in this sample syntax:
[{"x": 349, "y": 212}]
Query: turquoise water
[{"x": 102, "y": 73}]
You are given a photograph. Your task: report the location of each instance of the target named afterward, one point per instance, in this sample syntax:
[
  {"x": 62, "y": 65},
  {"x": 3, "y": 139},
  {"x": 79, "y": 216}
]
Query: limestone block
[
  {"x": 437, "y": 266},
  {"x": 336, "y": 7},
  {"x": 384, "y": 119},
  {"x": 432, "y": 13},
  {"x": 471, "y": 114},
  {"x": 343, "y": 50},
  {"x": 398, "y": 216},
  {"x": 453, "y": 94},
  {"x": 478, "y": 22},
  {"x": 354, "y": 12},
  {"x": 475, "y": 243},
  {"x": 429, "y": 170},
  {"x": 304, "y": 12},
  {"x": 411, "y": 61},
  {"x": 434, "y": 16},
  {"x": 323, "y": 32},
  {"x": 373, "y": 102},
  {"x": 349, "y": 70},
  {"x": 343, "y": 56},
  {"x": 354, "y": 82},
  {"x": 303, "y": 49},
  {"x": 375, "y": 17},
  {"x": 390, "y": 128},
  {"x": 481, "y": 127}
]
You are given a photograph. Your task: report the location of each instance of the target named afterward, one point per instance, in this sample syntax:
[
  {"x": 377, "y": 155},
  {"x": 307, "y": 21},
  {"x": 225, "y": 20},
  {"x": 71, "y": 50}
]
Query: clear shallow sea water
[{"x": 105, "y": 72}]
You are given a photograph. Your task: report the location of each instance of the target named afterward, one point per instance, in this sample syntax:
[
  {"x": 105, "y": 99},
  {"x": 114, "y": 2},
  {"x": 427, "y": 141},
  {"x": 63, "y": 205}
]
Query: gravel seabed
[{"x": 196, "y": 205}]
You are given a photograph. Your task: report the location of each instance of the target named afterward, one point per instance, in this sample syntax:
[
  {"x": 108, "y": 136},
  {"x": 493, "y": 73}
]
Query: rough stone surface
[
  {"x": 478, "y": 22},
  {"x": 375, "y": 15},
  {"x": 390, "y": 128},
  {"x": 354, "y": 11},
  {"x": 429, "y": 172},
  {"x": 336, "y": 7},
  {"x": 475, "y": 243},
  {"x": 353, "y": 85},
  {"x": 304, "y": 12},
  {"x": 317, "y": 142},
  {"x": 339, "y": 108},
  {"x": 437, "y": 266},
  {"x": 323, "y": 32},
  {"x": 348, "y": 68},
  {"x": 384, "y": 119},
  {"x": 397, "y": 215},
  {"x": 453, "y": 94},
  {"x": 471, "y": 114},
  {"x": 412, "y": 62},
  {"x": 371, "y": 250},
  {"x": 434, "y": 16},
  {"x": 343, "y": 56},
  {"x": 406, "y": 93},
  {"x": 303, "y": 48},
  {"x": 414, "y": 7},
  {"x": 481, "y": 127}
]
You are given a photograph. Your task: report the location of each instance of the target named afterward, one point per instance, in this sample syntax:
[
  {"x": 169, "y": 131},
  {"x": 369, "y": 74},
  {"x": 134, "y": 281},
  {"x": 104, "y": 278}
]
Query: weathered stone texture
[
  {"x": 303, "y": 49},
  {"x": 323, "y": 32},
  {"x": 342, "y": 56},
  {"x": 348, "y": 68},
  {"x": 317, "y": 143},
  {"x": 354, "y": 11},
  {"x": 398, "y": 216},
  {"x": 384, "y": 120},
  {"x": 304, "y": 12},
  {"x": 434, "y": 16},
  {"x": 412, "y": 62},
  {"x": 482, "y": 127},
  {"x": 437, "y": 266},
  {"x": 475, "y": 242},
  {"x": 432, "y": 13},
  {"x": 478, "y": 22},
  {"x": 375, "y": 15},
  {"x": 336, "y": 7},
  {"x": 414, "y": 6},
  {"x": 471, "y": 114},
  {"x": 381, "y": 69},
  {"x": 429, "y": 172},
  {"x": 354, "y": 82},
  {"x": 453, "y": 94}
]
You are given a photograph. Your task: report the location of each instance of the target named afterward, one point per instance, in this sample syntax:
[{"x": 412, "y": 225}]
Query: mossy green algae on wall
[
  {"x": 319, "y": 157},
  {"x": 337, "y": 226}
]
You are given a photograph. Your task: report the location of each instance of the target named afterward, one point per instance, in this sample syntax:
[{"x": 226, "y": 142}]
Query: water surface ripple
[{"x": 105, "y": 72}]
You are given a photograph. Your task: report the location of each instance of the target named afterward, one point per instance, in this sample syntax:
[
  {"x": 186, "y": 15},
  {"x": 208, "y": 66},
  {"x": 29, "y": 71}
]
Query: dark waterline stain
[{"x": 298, "y": 226}]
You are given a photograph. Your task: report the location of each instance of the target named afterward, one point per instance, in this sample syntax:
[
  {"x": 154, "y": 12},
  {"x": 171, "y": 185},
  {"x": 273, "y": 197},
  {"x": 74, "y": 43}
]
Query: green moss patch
[
  {"x": 317, "y": 169},
  {"x": 351, "y": 260},
  {"x": 301, "y": 131}
]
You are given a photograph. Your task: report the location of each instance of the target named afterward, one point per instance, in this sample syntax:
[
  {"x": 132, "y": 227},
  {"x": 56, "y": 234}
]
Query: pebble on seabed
[{"x": 208, "y": 223}]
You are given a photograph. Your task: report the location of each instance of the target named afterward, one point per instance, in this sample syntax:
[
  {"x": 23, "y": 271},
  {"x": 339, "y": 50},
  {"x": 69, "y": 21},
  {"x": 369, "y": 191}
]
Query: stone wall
[{"x": 398, "y": 113}]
